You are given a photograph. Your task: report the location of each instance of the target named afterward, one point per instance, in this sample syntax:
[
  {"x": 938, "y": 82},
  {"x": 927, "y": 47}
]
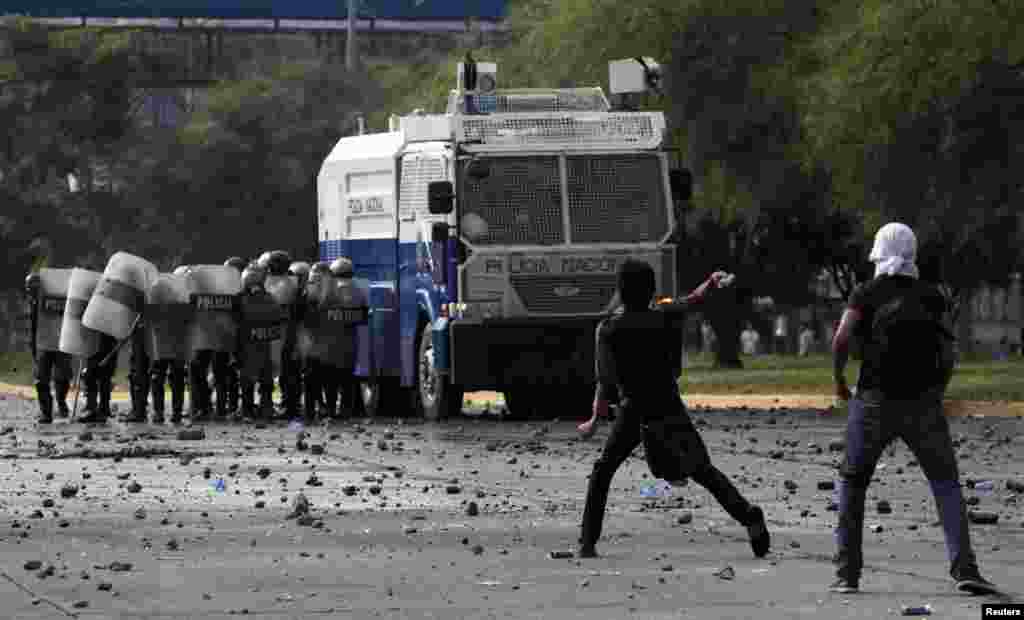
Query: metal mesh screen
[
  {"x": 616, "y": 199},
  {"x": 520, "y": 203},
  {"x": 417, "y": 171},
  {"x": 568, "y": 130},
  {"x": 589, "y": 295}
]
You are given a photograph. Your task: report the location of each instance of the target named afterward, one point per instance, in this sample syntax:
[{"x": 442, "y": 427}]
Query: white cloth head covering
[{"x": 895, "y": 251}]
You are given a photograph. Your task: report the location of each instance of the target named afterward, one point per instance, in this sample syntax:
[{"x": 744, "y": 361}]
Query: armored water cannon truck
[{"x": 488, "y": 238}]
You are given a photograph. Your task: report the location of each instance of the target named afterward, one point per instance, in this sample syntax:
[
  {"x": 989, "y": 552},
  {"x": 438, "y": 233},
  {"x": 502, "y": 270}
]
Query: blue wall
[{"x": 257, "y": 9}]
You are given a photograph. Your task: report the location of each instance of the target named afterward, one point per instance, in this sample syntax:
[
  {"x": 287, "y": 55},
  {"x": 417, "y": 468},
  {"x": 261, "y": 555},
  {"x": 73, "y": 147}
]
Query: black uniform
[
  {"x": 261, "y": 321},
  {"x": 877, "y": 416},
  {"x": 49, "y": 365},
  {"x": 98, "y": 379},
  {"x": 639, "y": 360},
  {"x": 138, "y": 374}
]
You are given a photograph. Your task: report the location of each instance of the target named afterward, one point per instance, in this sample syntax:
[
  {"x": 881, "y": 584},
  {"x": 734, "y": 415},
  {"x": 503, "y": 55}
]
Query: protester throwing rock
[
  {"x": 908, "y": 361},
  {"x": 639, "y": 358}
]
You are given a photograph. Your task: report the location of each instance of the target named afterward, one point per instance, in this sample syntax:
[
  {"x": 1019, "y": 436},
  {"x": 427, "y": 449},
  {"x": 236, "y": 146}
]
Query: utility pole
[{"x": 350, "y": 42}]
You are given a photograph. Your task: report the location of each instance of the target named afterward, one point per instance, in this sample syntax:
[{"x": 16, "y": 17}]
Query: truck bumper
[{"x": 498, "y": 354}]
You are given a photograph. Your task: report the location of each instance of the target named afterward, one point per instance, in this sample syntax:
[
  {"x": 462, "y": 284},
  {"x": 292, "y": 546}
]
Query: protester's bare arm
[{"x": 841, "y": 350}]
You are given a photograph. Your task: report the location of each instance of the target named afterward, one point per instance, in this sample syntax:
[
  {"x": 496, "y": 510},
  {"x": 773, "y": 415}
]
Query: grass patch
[
  {"x": 16, "y": 368},
  {"x": 977, "y": 377}
]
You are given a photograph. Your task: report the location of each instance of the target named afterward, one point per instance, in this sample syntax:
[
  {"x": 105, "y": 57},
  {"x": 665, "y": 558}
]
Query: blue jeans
[{"x": 872, "y": 425}]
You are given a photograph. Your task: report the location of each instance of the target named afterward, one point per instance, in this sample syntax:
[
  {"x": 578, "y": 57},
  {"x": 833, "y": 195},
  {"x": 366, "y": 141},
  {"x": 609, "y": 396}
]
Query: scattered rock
[
  {"x": 300, "y": 506},
  {"x": 261, "y": 504},
  {"x": 790, "y": 485},
  {"x": 134, "y": 487},
  {"x": 120, "y": 567},
  {"x": 884, "y": 507},
  {"x": 48, "y": 503},
  {"x": 191, "y": 434},
  {"x": 472, "y": 509},
  {"x": 85, "y": 436},
  {"x": 878, "y": 529},
  {"x": 263, "y": 472},
  {"x": 68, "y": 491},
  {"x": 793, "y": 544},
  {"x": 316, "y": 449},
  {"x": 307, "y": 521},
  {"x": 33, "y": 565},
  {"x": 685, "y": 519},
  {"x": 826, "y": 485},
  {"x": 350, "y": 490},
  {"x": 140, "y": 513},
  {"x": 453, "y": 489},
  {"x": 80, "y": 604},
  {"x": 980, "y": 517},
  {"x": 375, "y": 490},
  {"x": 1017, "y": 486},
  {"x": 172, "y": 544},
  {"x": 104, "y": 586},
  {"x": 836, "y": 446},
  {"x": 478, "y": 549},
  {"x": 124, "y": 476},
  {"x": 727, "y": 573},
  {"x": 382, "y": 445},
  {"x": 314, "y": 481}
]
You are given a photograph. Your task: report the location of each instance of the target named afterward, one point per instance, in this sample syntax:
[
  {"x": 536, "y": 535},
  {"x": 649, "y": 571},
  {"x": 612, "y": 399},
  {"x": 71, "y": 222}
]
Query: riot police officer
[
  {"x": 228, "y": 362},
  {"x": 98, "y": 380},
  {"x": 354, "y": 307},
  {"x": 261, "y": 321},
  {"x": 299, "y": 271},
  {"x": 284, "y": 289},
  {"x": 46, "y": 308}
]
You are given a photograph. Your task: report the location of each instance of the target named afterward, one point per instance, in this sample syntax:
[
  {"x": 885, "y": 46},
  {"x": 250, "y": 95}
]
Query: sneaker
[
  {"x": 586, "y": 552},
  {"x": 158, "y": 418},
  {"x": 760, "y": 539},
  {"x": 976, "y": 585},
  {"x": 844, "y": 586}
]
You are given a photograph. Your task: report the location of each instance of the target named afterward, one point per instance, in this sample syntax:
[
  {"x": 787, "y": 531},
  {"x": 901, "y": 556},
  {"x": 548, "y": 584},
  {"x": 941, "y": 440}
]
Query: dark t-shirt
[
  {"x": 870, "y": 296},
  {"x": 640, "y": 354}
]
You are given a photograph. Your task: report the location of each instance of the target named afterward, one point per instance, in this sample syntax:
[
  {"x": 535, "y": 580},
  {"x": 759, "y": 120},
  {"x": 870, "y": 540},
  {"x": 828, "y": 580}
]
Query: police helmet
[
  {"x": 32, "y": 282},
  {"x": 237, "y": 262},
  {"x": 252, "y": 276},
  {"x": 342, "y": 267},
  {"x": 181, "y": 270},
  {"x": 278, "y": 263},
  {"x": 299, "y": 268},
  {"x": 264, "y": 260}
]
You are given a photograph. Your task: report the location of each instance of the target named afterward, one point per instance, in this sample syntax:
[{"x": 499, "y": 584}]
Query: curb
[{"x": 954, "y": 408}]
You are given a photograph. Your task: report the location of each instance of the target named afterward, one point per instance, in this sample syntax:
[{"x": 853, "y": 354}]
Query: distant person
[
  {"x": 781, "y": 333},
  {"x": 807, "y": 341},
  {"x": 908, "y": 361},
  {"x": 46, "y": 304},
  {"x": 707, "y": 337},
  {"x": 638, "y": 359},
  {"x": 750, "y": 340}
]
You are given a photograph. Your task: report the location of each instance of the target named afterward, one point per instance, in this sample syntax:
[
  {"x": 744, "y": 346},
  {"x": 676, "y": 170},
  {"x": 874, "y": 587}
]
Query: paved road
[{"x": 403, "y": 545}]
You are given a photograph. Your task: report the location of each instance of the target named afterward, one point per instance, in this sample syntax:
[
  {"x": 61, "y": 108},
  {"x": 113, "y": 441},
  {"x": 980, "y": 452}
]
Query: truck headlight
[{"x": 476, "y": 310}]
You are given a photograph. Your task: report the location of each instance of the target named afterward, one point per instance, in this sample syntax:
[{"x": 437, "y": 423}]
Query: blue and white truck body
[{"x": 552, "y": 191}]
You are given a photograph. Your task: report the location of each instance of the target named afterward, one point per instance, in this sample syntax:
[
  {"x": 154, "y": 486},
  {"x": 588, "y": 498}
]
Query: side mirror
[
  {"x": 440, "y": 197},
  {"x": 478, "y": 169},
  {"x": 681, "y": 184},
  {"x": 439, "y": 232}
]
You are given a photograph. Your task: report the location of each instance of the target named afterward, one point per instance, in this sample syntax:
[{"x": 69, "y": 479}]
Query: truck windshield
[{"x": 612, "y": 199}]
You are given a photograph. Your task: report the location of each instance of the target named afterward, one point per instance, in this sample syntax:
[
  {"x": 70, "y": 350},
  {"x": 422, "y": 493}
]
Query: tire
[{"x": 437, "y": 397}]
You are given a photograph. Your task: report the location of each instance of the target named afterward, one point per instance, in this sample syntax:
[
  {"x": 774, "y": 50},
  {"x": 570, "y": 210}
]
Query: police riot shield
[
  {"x": 168, "y": 314},
  {"x": 262, "y": 324},
  {"x": 53, "y": 297},
  {"x": 213, "y": 290},
  {"x": 75, "y": 338},
  {"x": 284, "y": 290},
  {"x": 333, "y": 323},
  {"x": 120, "y": 297}
]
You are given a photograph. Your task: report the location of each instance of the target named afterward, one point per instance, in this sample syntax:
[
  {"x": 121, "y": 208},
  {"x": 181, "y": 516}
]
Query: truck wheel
[{"x": 438, "y": 398}]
